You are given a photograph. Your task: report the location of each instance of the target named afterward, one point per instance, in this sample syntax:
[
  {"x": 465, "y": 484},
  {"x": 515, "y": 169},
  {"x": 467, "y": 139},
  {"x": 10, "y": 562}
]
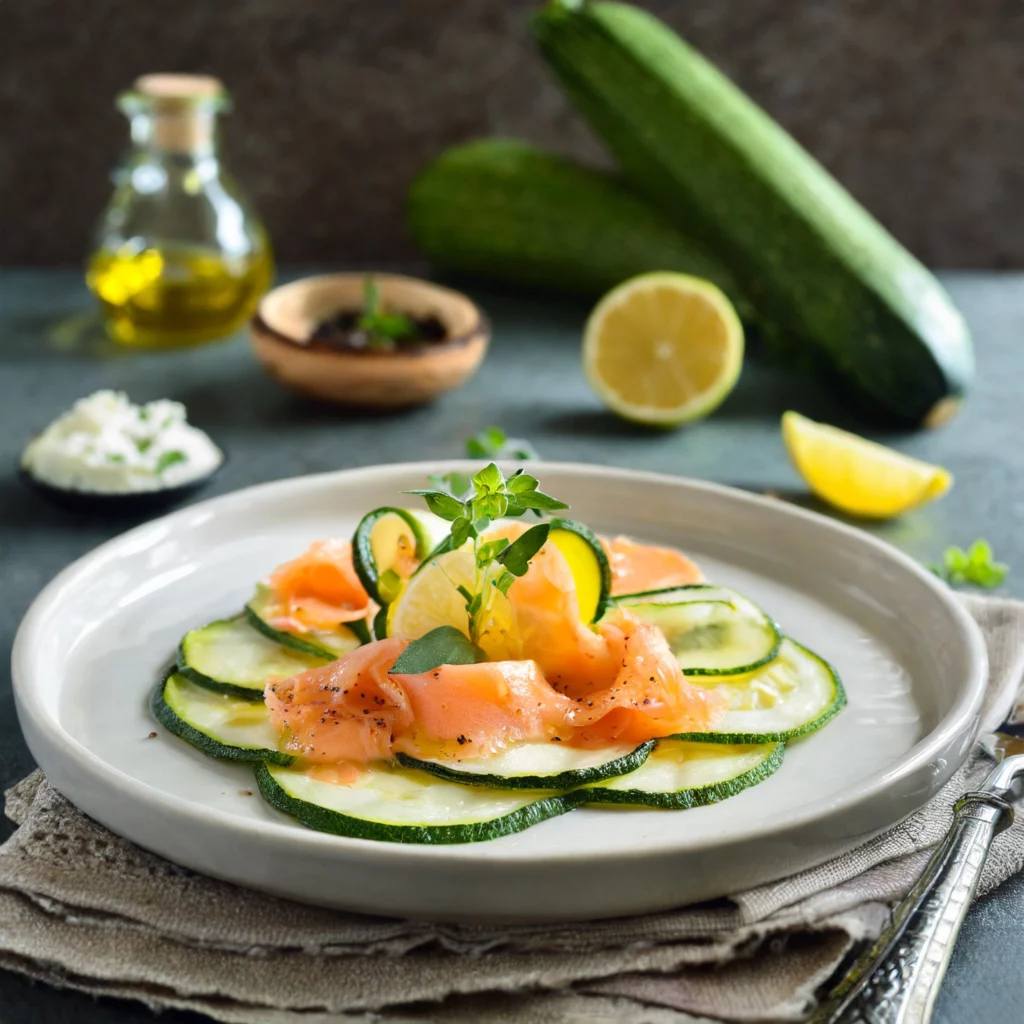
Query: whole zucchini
[
  {"x": 507, "y": 210},
  {"x": 813, "y": 262}
]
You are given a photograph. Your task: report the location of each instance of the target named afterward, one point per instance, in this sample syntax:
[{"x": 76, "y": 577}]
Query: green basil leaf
[
  {"x": 442, "y": 646},
  {"x": 516, "y": 557}
]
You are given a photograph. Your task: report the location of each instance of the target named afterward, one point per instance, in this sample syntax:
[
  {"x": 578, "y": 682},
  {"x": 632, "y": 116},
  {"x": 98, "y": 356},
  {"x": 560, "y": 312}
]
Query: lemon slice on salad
[
  {"x": 431, "y": 598},
  {"x": 858, "y": 476},
  {"x": 663, "y": 348}
]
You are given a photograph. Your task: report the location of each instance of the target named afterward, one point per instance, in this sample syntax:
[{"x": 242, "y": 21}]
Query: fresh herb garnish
[
  {"x": 442, "y": 646},
  {"x": 168, "y": 459},
  {"x": 973, "y": 567},
  {"x": 383, "y": 330},
  {"x": 471, "y": 506},
  {"x": 491, "y": 443}
]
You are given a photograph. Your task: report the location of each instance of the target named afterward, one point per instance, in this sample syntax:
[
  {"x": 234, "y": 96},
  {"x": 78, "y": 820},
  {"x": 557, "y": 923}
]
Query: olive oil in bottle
[{"x": 179, "y": 259}]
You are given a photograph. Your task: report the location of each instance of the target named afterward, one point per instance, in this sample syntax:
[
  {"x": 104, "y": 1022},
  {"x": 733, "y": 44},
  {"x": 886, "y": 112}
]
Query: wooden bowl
[{"x": 282, "y": 332}]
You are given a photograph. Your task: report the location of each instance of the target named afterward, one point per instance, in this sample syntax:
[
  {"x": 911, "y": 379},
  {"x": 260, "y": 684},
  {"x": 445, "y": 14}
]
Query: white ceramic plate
[{"x": 912, "y": 660}]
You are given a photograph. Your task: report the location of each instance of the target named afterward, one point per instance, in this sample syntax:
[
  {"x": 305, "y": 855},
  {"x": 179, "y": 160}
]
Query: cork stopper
[{"x": 183, "y": 108}]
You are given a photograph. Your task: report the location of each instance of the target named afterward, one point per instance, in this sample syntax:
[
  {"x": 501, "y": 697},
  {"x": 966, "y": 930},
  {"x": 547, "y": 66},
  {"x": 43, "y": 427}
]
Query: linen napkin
[{"x": 82, "y": 908}]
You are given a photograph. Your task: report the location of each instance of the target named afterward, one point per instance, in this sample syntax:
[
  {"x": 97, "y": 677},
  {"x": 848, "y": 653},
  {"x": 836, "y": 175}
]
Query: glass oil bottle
[{"x": 179, "y": 258}]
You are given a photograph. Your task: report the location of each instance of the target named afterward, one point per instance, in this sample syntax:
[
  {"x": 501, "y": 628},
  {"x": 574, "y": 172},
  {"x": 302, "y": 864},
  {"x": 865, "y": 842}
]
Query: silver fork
[{"x": 897, "y": 980}]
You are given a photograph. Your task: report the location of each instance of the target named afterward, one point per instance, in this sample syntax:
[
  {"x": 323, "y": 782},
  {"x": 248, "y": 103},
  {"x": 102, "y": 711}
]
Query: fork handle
[{"x": 897, "y": 980}]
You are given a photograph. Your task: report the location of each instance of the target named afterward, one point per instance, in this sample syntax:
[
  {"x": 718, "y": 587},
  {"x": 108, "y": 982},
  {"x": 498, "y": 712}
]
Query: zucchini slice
[
  {"x": 218, "y": 724},
  {"x": 376, "y": 542},
  {"x": 713, "y": 631},
  {"x": 535, "y": 766},
  {"x": 399, "y": 806},
  {"x": 330, "y": 644},
  {"x": 794, "y": 695},
  {"x": 680, "y": 775},
  {"x": 231, "y": 656},
  {"x": 588, "y": 562}
]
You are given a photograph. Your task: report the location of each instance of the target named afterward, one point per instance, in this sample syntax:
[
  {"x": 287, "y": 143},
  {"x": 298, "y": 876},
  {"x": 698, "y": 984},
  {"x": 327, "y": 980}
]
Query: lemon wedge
[
  {"x": 663, "y": 348},
  {"x": 858, "y": 476}
]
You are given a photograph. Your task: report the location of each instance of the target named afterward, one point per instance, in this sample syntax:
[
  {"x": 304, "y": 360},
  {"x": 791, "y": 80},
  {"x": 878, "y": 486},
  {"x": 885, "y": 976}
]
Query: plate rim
[{"x": 962, "y": 718}]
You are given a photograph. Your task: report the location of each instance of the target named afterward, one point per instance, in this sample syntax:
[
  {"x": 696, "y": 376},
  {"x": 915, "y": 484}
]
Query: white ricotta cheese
[{"x": 107, "y": 445}]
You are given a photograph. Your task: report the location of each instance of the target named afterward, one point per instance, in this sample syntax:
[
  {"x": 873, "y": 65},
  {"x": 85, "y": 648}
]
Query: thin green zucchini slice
[
  {"x": 591, "y": 571},
  {"x": 231, "y": 656},
  {"x": 681, "y": 775},
  {"x": 329, "y": 644},
  {"x": 536, "y": 766},
  {"x": 216, "y": 723},
  {"x": 712, "y": 631},
  {"x": 399, "y": 806},
  {"x": 794, "y": 695},
  {"x": 376, "y": 543}
]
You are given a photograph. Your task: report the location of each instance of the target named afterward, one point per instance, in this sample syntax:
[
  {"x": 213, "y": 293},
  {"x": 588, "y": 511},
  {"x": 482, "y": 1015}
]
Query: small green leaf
[
  {"x": 442, "y": 646},
  {"x": 441, "y": 504},
  {"x": 488, "y": 552},
  {"x": 491, "y": 443},
  {"x": 168, "y": 459},
  {"x": 115, "y": 457},
  {"x": 516, "y": 557},
  {"x": 462, "y": 530},
  {"x": 504, "y": 581},
  {"x": 456, "y": 484},
  {"x": 489, "y": 479},
  {"x": 540, "y": 501},
  {"x": 522, "y": 483},
  {"x": 973, "y": 566},
  {"x": 980, "y": 553},
  {"x": 486, "y": 444},
  {"x": 493, "y": 506}
]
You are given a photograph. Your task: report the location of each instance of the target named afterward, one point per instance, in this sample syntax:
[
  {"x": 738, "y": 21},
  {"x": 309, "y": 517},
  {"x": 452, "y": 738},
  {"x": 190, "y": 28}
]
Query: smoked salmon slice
[
  {"x": 318, "y": 590},
  {"x": 640, "y": 567},
  {"x": 351, "y": 710}
]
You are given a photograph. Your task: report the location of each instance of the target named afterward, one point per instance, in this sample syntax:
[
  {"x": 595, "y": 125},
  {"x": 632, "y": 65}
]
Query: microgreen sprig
[
  {"x": 471, "y": 505},
  {"x": 492, "y": 443},
  {"x": 974, "y": 567},
  {"x": 381, "y": 327}
]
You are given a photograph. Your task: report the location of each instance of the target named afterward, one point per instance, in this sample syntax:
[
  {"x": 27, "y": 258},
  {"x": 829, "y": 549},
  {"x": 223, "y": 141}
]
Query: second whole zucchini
[
  {"x": 815, "y": 264},
  {"x": 504, "y": 209}
]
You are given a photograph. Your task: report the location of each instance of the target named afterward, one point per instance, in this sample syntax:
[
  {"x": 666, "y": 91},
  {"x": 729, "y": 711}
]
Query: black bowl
[{"x": 137, "y": 503}]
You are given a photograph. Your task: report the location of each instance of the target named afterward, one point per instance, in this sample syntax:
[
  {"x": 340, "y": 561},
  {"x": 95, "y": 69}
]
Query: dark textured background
[{"x": 914, "y": 104}]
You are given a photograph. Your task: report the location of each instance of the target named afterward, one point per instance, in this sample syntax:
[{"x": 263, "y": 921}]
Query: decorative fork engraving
[{"x": 897, "y": 980}]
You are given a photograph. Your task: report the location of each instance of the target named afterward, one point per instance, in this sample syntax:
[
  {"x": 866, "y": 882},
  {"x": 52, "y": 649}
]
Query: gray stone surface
[
  {"x": 914, "y": 105},
  {"x": 51, "y": 354}
]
